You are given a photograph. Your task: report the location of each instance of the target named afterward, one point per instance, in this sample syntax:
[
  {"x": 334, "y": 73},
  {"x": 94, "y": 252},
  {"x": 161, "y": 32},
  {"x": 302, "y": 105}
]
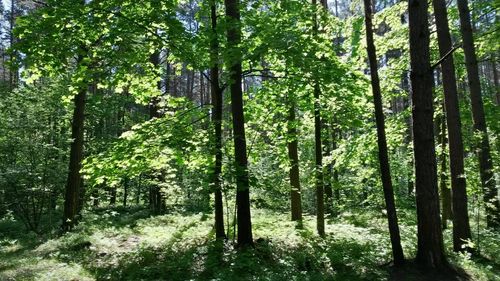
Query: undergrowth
[{"x": 130, "y": 244}]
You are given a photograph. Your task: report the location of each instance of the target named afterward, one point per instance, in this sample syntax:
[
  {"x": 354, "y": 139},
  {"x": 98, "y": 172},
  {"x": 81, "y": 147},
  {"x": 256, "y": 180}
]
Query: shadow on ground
[{"x": 127, "y": 244}]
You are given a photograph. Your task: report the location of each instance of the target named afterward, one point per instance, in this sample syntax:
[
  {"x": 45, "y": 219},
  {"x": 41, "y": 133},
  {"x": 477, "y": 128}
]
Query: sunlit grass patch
[{"x": 181, "y": 246}]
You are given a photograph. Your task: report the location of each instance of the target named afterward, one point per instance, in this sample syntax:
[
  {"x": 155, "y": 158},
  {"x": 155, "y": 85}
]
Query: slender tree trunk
[
  {"x": 240, "y": 146},
  {"x": 405, "y": 84},
  {"x": 385, "y": 170},
  {"x": 320, "y": 199},
  {"x": 495, "y": 79},
  {"x": 461, "y": 228},
  {"x": 430, "y": 252},
  {"x": 485, "y": 163},
  {"x": 324, "y": 4},
  {"x": 125, "y": 191},
  {"x": 154, "y": 112},
  {"x": 202, "y": 89},
  {"x": 153, "y": 107},
  {"x": 138, "y": 190},
  {"x": 445, "y": 191},
  {"x": 293, "y": 156},
  {"x": 320, "y": 204},
  {"x": 217, "y": 120},
  {"x": 74, "y": 181},
  {"x": 112, "y": 196},
  {"x": 411, "y": 165},
  {"x": 13, "y": 72}
]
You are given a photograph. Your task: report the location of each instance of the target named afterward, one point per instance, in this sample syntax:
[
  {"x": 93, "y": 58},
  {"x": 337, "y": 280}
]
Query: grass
[{"x": 129, "y": 244}]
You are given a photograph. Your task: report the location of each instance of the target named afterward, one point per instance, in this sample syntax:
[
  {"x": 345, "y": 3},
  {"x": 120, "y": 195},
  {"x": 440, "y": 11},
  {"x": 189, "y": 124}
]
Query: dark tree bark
[
  {"x": 153, "y": 107},
  {"x": 385, "y": 171},
  {"x": 461, "y": 228},
  {"x": 156, "y": 197},
  {"x": 74, "y": 181},
  {"x": 112, "y": 196},
  {"x": 216, "y": 92},
  {"x": 495, "y": 80},
  {"x": 240, "y": 146},
  {"x": 324, "y": 3},
  {"x": 446, "y": 213},
  {"x": 293, "y": 156},
  {"x": 430, "y": 252},
  {"x": 411, "y": 165},
  {"x": 126, "y": 183},
  {"x": 138, "y": 190},
  {"x": 14, "y": 71},
  {"x": 320, "y": 199},
  {"x": 485, "y": 163},
  {"x": 202, "y": 90}
]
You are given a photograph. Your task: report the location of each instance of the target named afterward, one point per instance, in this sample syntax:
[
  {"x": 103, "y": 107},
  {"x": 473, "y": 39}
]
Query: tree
[
  {"x": 320, "y": 189},
  {"x": 446, "y": 211},
  {"x": 490, "y": 192},
  {"x": 156, "y": 200},
  {"x": 293, "y": 156},
  {"x": 217, "y": 120},
  {"x": 461, "y": 228},
  {"x": 74, "y": 183},
  {"x": 385, "y": 170},
  {"x": 430, "y": 251},
  {"x": 240, "y": 146}
]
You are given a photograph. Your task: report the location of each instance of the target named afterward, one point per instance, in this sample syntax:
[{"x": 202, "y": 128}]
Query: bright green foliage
[
  {"x": 33, "y": 149},
  {"x": 108, "y": 47},
  {"x": 163, "y": 146}
]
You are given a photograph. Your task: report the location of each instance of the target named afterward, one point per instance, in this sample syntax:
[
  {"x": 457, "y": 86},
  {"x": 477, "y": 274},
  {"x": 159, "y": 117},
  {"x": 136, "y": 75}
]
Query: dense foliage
[{"x": 148, "y": 178}]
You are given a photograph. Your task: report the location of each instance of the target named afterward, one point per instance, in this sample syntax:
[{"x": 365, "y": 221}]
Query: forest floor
[{"x": 129, "y": 244}]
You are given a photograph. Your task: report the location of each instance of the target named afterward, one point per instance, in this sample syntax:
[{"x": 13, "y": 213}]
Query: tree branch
[{"x": 450, "y": 52}]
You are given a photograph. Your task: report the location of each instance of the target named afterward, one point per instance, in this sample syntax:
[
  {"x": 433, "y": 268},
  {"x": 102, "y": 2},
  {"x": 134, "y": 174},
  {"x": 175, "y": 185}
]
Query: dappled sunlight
[
  {"x": 249, "y": 140},
  {"x": 182, "y": 247}
]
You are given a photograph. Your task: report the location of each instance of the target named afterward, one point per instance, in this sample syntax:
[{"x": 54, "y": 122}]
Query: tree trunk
[
  {"x": 446, "y": 213},
  {"x": 202, "y": 89},
  {"x": 430, "y": 251},
  {"x": 320, "y": 204},
  {"x": 217, "y": 120},
  {"x": 13, "y": 71},
  {"x": 112, "y": 196},
  {"x": 293, "y": 156},
  {"x": 125, "y": 191},
  {"x": 405, "y": 85},
  {"x": 74, "y": 181},
  {"x": 397, "y": 250},
  {"x": 95, "y": 198},
  {"x": 495, "y": 79},
  {"x": 153, "y": 106},
  {"x": 461, "y": 228},
  {"x": 154, "y": 112},
  {"x": 320, "y": 200},
  {"x": 240, "y": 146},
  {"x": 138, "y": 190},
  {"x": 485, "y": 163}
]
